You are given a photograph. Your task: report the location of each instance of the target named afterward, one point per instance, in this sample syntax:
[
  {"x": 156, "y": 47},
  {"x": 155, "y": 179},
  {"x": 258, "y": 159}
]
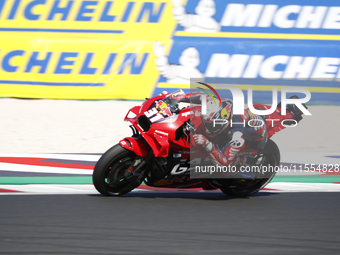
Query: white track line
[
  {"x": 54, "y": 156},
  {"x": 51, "y": 189},
  {"x": 310, "y": 157},
  {"x": 42, "y": 169},
  {"x": 303, "y": 187}
]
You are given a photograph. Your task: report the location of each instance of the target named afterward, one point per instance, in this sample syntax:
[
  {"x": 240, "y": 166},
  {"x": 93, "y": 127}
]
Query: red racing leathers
[
  {"x": 247, "y": 128},
  {"x": 223, "y": 148}
]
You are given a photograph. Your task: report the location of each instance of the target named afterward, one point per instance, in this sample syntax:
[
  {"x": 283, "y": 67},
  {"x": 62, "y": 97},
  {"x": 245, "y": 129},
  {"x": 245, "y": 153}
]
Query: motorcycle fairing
[{"x": 137, "y": 145}]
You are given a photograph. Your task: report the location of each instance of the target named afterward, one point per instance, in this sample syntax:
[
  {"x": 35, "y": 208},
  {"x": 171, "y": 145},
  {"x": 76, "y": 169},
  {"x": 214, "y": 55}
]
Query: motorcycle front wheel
[{"x": 108, "y": 172}]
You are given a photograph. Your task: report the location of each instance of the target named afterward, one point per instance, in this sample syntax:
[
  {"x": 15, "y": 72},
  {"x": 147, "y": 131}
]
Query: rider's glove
[{"x": 201, "y": 140}]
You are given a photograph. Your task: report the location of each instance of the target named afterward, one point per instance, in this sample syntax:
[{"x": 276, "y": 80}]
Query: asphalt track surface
[{"x": 171, "y": 223}]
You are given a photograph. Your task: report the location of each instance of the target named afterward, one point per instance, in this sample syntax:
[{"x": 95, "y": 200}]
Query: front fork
[{"x": 133, "y": 173}]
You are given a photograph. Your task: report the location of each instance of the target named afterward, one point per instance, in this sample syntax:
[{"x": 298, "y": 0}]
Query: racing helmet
[{"x": 218, "y": 121}]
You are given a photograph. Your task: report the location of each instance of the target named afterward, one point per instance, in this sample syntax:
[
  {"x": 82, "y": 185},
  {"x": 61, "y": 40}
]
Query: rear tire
[
  {"x": 111, "y": 166},
  {"x": 245, "y": 187}
]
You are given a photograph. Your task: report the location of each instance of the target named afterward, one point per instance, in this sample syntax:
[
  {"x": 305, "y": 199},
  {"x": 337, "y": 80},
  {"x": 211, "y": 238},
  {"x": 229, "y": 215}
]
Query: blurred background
[{"x": 70, "y": 70}]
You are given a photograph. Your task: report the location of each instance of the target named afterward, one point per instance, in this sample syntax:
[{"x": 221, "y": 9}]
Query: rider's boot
[{"x": 294, "y": 110}]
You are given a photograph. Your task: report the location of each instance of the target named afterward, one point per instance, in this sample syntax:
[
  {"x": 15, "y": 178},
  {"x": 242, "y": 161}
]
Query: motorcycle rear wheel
[
  {"x": 110, "y": 168},
  {"x": 244, "y": 187}
]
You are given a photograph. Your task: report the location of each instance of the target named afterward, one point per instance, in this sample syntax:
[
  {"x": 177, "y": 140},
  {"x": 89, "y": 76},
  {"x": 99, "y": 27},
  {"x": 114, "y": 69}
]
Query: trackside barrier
[{"x": 135, "y": 49}]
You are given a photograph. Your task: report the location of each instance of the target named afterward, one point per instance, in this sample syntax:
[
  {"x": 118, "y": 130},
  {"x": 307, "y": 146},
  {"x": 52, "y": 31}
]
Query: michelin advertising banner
[
  {"x": 260, "y": 64},
  {"x": 79, "y": 49}
]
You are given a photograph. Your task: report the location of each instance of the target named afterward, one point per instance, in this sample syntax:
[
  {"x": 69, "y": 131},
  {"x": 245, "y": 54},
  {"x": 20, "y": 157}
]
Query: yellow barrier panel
[
  {"x": 121, "y": 19},
  {"x": 81, "y": 49},
  {"x": 77, "y": 68}
]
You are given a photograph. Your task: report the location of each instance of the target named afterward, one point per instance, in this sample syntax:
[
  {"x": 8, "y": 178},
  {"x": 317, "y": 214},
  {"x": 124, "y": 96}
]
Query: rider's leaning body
[{"x": 223, "y": 141}]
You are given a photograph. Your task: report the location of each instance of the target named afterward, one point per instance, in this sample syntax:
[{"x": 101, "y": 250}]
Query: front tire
[{"x": 111, "y": 167}]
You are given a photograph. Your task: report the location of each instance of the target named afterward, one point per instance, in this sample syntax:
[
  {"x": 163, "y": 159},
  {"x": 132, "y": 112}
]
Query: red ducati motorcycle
[{"x": 159, "y": 152}]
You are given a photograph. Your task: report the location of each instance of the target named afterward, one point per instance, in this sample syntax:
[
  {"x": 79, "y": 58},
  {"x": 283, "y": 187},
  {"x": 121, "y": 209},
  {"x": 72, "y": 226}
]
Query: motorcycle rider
[{"x": 225, "y": 140}]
